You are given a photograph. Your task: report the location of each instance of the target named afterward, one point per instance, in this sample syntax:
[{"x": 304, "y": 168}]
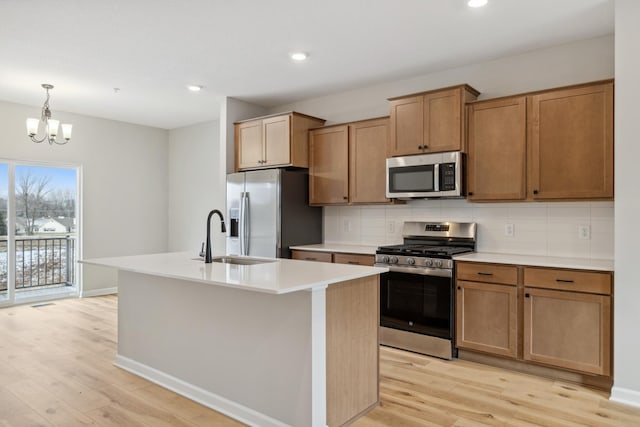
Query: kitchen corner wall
[
  {"x": 124, "y": 183},
  {"x": 539, "y": 228}
]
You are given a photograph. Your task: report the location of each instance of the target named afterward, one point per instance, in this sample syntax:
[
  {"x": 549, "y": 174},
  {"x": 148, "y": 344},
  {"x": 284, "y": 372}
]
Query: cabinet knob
[
  {"x": 345, "y": 198},
  {"x": 459, "y": 287},
  {"x": 470, "y": 193},
  {"x": 535, "y": 191},
  {"x": 527, "y": 295}
]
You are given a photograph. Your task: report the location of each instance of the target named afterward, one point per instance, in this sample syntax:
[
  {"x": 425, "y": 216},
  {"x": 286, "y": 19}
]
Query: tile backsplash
[{"x": 573, "y": 229}]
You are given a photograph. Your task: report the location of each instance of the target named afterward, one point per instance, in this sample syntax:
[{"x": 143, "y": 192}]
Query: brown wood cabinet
[
  {"x": 571, "y": 143},
  {"x": 567, "y": 320},
  {"x": 278, "y": 140},
  {"x": 335, "y": 257},
  {"x": 486, "y": 308},
  {"x": 496, "y": 167},
  {"x": 430, "y": 122},
  {"x": 347, "y": 163},
  {"x": 554, "y": 317},
  {"x": 549, "y": 145}
]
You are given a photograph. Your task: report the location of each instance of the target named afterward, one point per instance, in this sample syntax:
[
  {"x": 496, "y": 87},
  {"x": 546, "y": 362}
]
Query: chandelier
[{"x": 50, "y": 125}]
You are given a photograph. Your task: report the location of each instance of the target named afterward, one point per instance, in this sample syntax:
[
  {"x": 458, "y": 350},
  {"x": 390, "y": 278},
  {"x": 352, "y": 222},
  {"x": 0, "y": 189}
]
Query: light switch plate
[
  {"x": 391, "y": 226},
  {"x": 346, "y": 227}
]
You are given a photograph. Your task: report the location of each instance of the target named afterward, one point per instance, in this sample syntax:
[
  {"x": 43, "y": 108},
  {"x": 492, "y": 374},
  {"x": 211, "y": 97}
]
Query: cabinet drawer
[
  {"x": 354, "y": 259},
  {"x": 311, "y": 256},
  {"x": 568, "y": 280},
  {"x": 490, "y": 273}
]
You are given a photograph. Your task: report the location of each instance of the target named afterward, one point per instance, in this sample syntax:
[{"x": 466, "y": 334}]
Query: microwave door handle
[{"x": 436, "y": 177}]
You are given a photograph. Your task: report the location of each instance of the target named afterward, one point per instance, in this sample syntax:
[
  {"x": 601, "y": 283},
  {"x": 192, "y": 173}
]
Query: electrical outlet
[
  {"x": 346, "y": 227},
  {"x": 584, "y": 232},
  {"x": 391, "y": 226},
  {"x": 509, "y": 230}
]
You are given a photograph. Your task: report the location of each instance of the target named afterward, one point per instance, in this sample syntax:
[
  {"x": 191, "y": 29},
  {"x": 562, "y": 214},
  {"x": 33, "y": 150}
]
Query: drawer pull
[
  {"x": 485, "y": 274},
  {"x": 353, "y": 262},
  {"x": 564, "y": 281},
  {"x": 311, "y": 259}
]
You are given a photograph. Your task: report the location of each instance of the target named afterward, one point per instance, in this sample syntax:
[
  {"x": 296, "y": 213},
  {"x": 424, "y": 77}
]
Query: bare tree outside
[{"x": 31, "y": 195}]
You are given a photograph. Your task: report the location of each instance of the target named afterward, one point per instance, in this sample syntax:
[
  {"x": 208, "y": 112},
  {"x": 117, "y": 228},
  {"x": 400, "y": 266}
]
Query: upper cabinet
[
  {"x": 496, "y": 168},
  {"x": 279, "y": 140},
  {"x": 347, "y": 163},
  {"x": 549, "y": 145},
  {"x": 571, "y": 143},
  {"x": 430, "y": 122}
]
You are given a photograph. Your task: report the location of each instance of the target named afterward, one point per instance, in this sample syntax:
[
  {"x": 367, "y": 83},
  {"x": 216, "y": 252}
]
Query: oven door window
[
  {"x": 416, "y": 303},
  {"x": 412, "y": 179}
]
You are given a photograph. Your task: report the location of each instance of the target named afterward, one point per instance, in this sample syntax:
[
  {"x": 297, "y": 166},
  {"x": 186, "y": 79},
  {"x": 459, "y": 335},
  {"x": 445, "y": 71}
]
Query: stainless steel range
[{"x": 416, "y": 295}]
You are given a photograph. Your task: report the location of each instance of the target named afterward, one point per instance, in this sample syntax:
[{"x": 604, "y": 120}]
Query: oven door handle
[{"x": 422, "y": 271}]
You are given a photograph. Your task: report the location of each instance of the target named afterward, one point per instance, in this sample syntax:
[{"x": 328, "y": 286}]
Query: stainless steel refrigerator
[{"x": 269, "y": 211}]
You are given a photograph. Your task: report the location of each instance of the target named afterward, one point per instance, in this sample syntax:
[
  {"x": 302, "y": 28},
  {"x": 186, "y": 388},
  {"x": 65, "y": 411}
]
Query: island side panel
[
  {"x": 236, "y": 351},
  {"x": 353, "y": 366}
]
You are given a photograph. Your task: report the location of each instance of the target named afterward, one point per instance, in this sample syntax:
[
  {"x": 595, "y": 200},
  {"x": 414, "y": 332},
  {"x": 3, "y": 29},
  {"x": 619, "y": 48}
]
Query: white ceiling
[{"x": 151, "y": 49}]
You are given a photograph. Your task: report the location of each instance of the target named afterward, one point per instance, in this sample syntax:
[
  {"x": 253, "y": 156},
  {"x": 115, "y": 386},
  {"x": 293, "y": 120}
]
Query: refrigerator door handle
[{"x": 244, "y": 223}]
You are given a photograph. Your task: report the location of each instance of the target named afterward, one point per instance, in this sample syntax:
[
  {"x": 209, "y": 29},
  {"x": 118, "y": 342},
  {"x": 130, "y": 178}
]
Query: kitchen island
[{"x": 280, "y": 342}]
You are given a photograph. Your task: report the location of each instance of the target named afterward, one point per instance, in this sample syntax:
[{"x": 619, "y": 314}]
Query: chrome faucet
[{"x": 223, "y": 229}]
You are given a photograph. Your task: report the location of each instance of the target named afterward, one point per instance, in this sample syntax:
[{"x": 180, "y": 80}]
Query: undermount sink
[{"x": 237, "y": 260}]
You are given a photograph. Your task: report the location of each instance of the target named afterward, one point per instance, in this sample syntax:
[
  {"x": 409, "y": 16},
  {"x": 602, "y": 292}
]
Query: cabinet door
[
  {"x": 249, "y": 144},
  {"x": 443, "y": 121},
  {"x": 569, "y": 330},
  {"x": 329, "y": 166},
  {"x": 407, "y": 126},
  {"x": 497, "y": 150},
  {"x": 277, "y": 135},
  {"x": 368, "y": 142},
  {"x": 486, "y": 318},
  {"x": 571, "y": 143}
]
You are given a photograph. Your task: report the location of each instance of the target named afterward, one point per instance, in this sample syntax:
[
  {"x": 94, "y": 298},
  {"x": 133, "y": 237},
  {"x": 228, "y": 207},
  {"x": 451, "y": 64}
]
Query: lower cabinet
[
  {"x": 337, "y": 257},
  {"x": 548, "y": 316},
  {"x": 486, "y": 318},
  {"x": 567, "y": 319}
]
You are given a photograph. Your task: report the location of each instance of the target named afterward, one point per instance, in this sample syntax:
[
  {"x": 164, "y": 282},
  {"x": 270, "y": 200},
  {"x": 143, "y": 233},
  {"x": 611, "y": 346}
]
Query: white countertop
[
  {"x": 338, "y": 247},
  {"x": 278, "y": 277},
  {"x": 539, "y": 261}
]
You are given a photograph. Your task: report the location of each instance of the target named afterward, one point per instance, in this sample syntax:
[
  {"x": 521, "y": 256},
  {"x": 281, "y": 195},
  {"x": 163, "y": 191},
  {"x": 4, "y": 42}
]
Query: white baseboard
[
  {"x": 228, "y": 407},
  {"x": 626, "y": 396},
  {"x": 99, "y": 292}
]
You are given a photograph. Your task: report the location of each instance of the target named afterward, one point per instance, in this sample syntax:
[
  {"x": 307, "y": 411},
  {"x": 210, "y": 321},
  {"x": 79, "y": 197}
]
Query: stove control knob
[
  {"x": 393, "y": 260},
  {"x": 438, "y": 263},
  {"x": 384, "y": 259},
  {"x": 428, "y": 262},
  {"x": 411, "y": 261}
]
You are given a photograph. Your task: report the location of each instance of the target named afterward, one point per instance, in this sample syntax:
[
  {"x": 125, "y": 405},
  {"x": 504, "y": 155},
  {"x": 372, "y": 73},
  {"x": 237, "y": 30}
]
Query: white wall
[
  {"x": 125, "y": 182},
  {"x": 627, "y": 205},
  {"x": 194, "y": 186},
  {"x": 540, "y": 228}
]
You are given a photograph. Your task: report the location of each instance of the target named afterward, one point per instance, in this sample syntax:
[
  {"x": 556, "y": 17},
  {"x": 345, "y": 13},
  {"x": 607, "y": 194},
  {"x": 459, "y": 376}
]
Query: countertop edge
[
  {"x": 344, "y": 248},
  {"x": 539, "y": 261}
]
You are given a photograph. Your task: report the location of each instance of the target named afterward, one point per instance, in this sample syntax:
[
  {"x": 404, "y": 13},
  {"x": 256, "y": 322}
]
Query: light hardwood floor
[{"x": 56, "y": 368}]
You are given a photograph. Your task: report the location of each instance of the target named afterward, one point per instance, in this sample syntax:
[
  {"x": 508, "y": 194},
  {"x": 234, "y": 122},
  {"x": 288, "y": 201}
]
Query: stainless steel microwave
[{"x": 425, "y": 176}]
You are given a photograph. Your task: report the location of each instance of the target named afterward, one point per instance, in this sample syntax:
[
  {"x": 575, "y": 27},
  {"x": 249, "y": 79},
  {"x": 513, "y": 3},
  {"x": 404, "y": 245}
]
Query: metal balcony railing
[{"x": 40, "y": 262}]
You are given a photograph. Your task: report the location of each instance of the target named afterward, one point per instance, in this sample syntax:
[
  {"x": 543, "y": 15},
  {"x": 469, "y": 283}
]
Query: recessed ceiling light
[
  {"x": 194, "y": 88},
  {"x": 476, "y": 3},
  {"x": 299, "y": 56}
]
